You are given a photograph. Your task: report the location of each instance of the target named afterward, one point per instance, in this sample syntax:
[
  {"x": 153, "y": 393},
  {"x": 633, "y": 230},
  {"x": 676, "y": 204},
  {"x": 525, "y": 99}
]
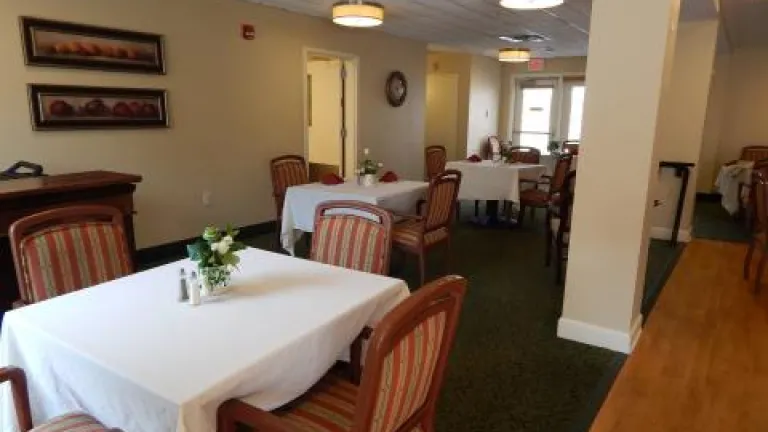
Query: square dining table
[
  {"x": 494, "y": 181},
  {"x": 302, "y": 201},
  {"x": 129, "y": 353}
]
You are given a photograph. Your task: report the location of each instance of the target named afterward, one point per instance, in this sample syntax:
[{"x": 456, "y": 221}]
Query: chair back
[
  {"x": 67, "y": 249},
  {"x": 353, "y": 235},
  {"x": 441, "y": 200},
  {"x": 562, "y": 168},
  {"x": 287, "y": 171},
  {"x": 565, "y": 204},
  {"x": 754, "y": 153},
  {"x": 407, "y": 357},
  {"x": 528, "y": 155},
  {"x": 571, "y": 147},
  {"x": 435, "y": 158}
]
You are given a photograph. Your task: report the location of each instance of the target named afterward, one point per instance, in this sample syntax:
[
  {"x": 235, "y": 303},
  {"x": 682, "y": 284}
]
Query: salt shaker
[
  {"x": 194, "y": 289},
  {"x": 183, "y": 287}
]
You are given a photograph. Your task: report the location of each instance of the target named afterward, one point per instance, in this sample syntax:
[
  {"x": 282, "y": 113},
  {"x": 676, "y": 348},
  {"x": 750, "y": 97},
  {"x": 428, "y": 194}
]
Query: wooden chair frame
[
  {"x": 549, "y": 181},
  {"x": 759, "y": 236},
  {"x": 384, "y": 218},
  {"x": 421, "y": 249},
  {"x": 563, "y": 212},
  {"x": 432, "y": 151},
  {"x": 23, "y": 227},
  {"x": 445, "y": 295},
  {"x": 20, "y": 394},
  {"x": 279, "y": 195}
]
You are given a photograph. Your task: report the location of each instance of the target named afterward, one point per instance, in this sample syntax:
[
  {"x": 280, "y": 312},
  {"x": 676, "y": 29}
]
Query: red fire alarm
[{"x": 249, "y": 32}]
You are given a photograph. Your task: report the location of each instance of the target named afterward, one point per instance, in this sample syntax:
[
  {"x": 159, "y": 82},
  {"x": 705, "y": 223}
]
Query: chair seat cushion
[
  {"x": 328, "y": 407},
  {"x": 407, "y": 233},
  {"x": 72, "y": 422},
  {"x": 534, "y": 197}
]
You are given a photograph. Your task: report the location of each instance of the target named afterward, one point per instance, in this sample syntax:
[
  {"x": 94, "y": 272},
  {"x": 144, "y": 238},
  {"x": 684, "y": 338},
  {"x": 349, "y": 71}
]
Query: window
[{"x": 547, "y": 109}]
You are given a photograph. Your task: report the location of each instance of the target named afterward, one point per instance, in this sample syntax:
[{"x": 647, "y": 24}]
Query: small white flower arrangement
[
  {"x": 215, "y": 255},
  {"x": 369, "y": 166}
]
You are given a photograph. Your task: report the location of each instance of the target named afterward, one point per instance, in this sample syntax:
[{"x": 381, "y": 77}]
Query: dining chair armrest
[
  {"x": 236, "y": 411},
  {"x": 416, "y": 218},
  {"x": 356, "y": 355},
  {"x": 20, "y": 395}
]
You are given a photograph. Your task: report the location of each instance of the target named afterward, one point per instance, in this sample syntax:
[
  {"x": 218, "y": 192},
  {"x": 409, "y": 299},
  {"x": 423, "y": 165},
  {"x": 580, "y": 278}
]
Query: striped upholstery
[
  {"x": 289, "y": 172},
  {"x": 436, "y": 158},
  {"x": 407, "y": 374},
  {"x": 409, "y": 233},
  {"x": 562, "y": 168},
  {"x": 754, "y": 153},
  {"x": 74, "y": 422},
  {"x": 351, "y": 242},
  {"x": 441, "y": 204},
  {"x": 66, "y": 258},
  {"x": 328, "y": 407}
]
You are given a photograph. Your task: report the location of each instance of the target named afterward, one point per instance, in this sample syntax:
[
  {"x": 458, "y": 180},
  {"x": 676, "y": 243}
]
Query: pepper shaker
[{"x": 183, "y": 286}]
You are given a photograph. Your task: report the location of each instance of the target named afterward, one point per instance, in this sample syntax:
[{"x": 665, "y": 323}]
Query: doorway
[
  {"x": 330, "y": 113},
  {"x": 443, "y": 113}
]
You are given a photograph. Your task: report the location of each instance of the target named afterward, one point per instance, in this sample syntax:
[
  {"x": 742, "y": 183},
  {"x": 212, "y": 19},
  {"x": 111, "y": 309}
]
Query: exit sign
[{"x": 536, "y": 65}]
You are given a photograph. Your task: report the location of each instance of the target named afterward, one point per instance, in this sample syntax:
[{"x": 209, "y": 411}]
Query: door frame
[{"x": 351, "y": 100}]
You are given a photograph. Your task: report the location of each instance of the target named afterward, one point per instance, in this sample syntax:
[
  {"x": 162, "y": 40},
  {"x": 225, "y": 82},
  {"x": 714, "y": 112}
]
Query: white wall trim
[
  {"x": 663, "y": 233},
  {"x": 591, "y": 334}
]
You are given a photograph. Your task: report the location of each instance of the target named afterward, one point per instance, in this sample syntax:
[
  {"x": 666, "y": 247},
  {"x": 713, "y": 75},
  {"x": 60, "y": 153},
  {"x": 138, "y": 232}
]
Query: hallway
[{"x": 702, "y": 361}]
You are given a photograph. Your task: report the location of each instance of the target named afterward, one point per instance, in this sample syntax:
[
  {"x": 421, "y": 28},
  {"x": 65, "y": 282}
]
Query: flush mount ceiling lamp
[
  {"x": 514, "y": 55},
  {"x": 530, "y": 4},
  {"x": 358, "y": 14}
]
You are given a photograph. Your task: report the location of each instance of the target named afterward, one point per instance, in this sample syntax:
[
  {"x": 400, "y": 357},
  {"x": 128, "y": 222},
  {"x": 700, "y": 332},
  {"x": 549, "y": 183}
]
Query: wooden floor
[{"x": 701, "y": 363}]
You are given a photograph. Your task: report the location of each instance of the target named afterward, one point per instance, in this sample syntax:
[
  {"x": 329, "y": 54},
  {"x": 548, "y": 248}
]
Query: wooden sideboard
[{"x": 25, "y": 196}]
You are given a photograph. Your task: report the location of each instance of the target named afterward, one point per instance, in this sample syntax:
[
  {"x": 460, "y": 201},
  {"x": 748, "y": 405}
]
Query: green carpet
[
  {"x": 508, "y": 371},
  {"x": 711, "y": 221}
]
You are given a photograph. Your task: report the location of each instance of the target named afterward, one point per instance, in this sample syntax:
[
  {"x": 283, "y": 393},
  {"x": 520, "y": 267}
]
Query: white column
[{"x": 630, "y": 62}]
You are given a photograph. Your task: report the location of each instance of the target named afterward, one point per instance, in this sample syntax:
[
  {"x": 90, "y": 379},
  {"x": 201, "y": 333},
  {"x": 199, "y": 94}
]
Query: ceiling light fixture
[
  {"x": 530, "y": 4},
  {"x": 358, "y": 14},
  {"x": 514, "y": 55},
  {"x": 524, "y": 38}
]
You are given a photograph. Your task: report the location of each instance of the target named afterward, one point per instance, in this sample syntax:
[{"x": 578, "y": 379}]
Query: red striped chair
[
  {"x": 404, "y": 371},
  {"x": 66, "y": 249},
  {"x": 72, "y": 422},
  {"x": 286, "y": 171},
  {"x": 528, "y": 155},
  {"x": 353, "y": 235},
  {"x": 418, "y": 234},
  {"x": 435, "y": 158}
]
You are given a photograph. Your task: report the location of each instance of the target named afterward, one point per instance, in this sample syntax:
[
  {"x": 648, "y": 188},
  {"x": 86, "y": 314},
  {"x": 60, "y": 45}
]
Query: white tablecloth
[
  {"x": 494, "y": 181},
  {"x": 728, "y": 181},
  {"x": 131, "y": 355},
  {"x": 302, "y": 201}
]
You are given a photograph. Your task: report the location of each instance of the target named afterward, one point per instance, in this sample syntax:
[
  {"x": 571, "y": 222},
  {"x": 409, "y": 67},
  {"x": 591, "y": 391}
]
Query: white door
[
  {"x": 325, "y": 112},
  {"x": 534, "y": 114},
  {"x": 443, "y": 112}
]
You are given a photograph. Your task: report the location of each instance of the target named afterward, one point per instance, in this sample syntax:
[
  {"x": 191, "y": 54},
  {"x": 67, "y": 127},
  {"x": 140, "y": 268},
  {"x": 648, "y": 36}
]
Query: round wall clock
[{"x": 397, "y": 88}]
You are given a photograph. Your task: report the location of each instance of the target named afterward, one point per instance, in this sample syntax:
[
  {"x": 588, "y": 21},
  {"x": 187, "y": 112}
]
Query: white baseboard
[
  {"x": 600, "y": 336},
  {"x": 663, "y": 233}
]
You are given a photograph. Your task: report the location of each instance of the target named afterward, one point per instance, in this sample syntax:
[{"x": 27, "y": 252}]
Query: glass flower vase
[{"x": 215, "y": 279}]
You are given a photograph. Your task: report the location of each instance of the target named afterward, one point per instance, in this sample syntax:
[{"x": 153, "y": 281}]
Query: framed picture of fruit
[
  {"x": 63, "y": 107},
  {"x": 56, "y": 43}
]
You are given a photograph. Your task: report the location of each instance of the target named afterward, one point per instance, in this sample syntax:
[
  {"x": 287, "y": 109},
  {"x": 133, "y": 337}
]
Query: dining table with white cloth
[
  {"x": 302, "y": 201},
  {"x": 133, "y": 356},
  {"x": 494, "y": 181},
  {"x": 727, "y": 184}
]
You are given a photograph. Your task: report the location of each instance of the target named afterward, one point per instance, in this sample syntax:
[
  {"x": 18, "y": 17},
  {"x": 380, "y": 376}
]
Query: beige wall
[
  {"x": 713, "y": 125},
  {"x": 552, "y": 67},
  {"x": 683, "y": 114},
  {"x": 746, "y": 114},
  {"x": 484, "y": 99},
  {"x": 234, "y": 105},
  {"x": 443, "y": 113},
  {"x": 325, "y": 131}
]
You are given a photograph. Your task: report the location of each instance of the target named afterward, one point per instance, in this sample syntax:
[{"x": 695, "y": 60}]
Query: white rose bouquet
[{"x": 215, "y": 255}]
